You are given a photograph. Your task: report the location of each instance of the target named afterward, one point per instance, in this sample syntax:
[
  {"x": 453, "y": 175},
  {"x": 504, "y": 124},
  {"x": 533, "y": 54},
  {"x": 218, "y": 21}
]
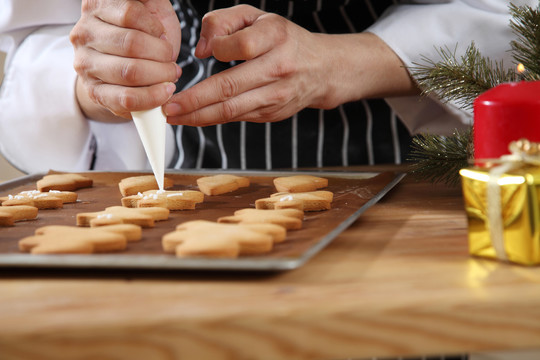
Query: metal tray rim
[{"x": 165, "y": 262}]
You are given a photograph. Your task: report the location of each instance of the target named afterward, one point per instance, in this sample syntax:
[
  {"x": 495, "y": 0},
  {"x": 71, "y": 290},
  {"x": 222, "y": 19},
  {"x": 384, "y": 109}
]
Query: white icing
[
  {"x": 175, "y": 194},
  {"x": 105, "y": 216},
  {"x": 286, "y": 198}
]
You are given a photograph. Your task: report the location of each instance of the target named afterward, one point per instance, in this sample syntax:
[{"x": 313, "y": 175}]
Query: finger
[
  {"x": 247, "y": 43},
  {"x": 125, "y": 71},
  {"x": 265, "y": 104},
  {"x": 123, "y": 100},
  {"x": 114, "y": 40},
  {"x": 224, "y": 22},
  {"x": 131, "y": 14},
  {"x": 226, "y": 85}
]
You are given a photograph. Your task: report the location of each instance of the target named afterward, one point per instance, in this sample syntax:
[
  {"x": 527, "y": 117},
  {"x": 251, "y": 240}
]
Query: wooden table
[{"x": 398, "y": 282}]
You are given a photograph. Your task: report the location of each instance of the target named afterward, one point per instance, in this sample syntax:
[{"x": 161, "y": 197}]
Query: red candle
[{"x": 503, "y": 114}]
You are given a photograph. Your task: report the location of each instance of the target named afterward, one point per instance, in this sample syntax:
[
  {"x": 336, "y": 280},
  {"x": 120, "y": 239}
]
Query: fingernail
[
  {"x": 171, "y": 88},
  {"x": 172, "y": 109},
  {"x": 163, "y": 37},
  {"x": 178, "y": 72}
]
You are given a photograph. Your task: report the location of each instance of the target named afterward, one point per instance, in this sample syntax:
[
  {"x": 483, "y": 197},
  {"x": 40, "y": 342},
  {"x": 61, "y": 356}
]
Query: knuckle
[
  {"x": 281, "y": 96},
  {"x": 80, "y": 64},
  {"x": 228, "y": 110},
  {"x": 79, "y": 36},
  {"x": 283, "y": 69},
  {"x": 129, "y": 43},
  {"x": 228, "y": 87},
  {"x": 129, "y": 14},
  {"x": 89, "y": 5},
  {"x": 247, "y": 48},
  {"x": 127, "y": 99},
  {"x": 189, "y": 101},
  {"x": 93, "y": 93},
  {"x": 129, "y": 72}
]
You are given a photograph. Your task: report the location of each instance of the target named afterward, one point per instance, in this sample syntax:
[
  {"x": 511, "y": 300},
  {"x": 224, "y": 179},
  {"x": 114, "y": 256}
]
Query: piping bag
[{"x": 151, "y": 126}]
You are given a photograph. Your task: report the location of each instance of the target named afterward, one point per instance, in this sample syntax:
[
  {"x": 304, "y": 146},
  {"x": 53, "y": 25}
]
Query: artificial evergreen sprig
[
  {"x": 526, "y": 48},
  {"x": 439, "y": 158},
  {"x": 460, "y": 80}
]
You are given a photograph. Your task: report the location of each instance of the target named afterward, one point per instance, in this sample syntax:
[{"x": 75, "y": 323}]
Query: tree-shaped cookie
[
  {"x": 210, "y": 239},
  {"x": 59, "y": 239},
  {"x": 145, "y": 217}
]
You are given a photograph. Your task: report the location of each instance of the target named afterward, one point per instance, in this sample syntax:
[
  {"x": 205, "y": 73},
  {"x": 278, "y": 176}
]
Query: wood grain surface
[{"x": 398, "y": 282}]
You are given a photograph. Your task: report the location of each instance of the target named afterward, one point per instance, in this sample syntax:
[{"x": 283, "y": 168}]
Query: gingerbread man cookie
[
  {"x": 172, "y": 200},
  {"x": 199, "y": 238}
]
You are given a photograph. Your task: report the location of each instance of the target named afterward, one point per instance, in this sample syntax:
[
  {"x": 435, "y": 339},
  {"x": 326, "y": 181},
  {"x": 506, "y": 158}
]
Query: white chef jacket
[{"x": 42, "y": 127}]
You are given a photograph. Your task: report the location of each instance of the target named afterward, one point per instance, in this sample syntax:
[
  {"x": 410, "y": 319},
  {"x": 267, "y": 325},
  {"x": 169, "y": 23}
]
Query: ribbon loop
[{"x": 522, "y": 152}]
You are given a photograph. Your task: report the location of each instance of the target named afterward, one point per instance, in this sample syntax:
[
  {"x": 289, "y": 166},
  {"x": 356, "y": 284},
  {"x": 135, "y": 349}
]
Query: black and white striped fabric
[{"x": 363, "y": 132}]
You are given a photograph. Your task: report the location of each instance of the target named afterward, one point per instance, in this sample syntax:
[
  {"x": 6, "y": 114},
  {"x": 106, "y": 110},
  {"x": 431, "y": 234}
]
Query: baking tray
[{"x": 354, "y": 193}]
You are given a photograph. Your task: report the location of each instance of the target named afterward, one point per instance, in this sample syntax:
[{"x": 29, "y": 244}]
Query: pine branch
[
  {"x": 526, "y": 48},
  {"x": 460, "y": 80},
  {"x": 439, "y": 158}
]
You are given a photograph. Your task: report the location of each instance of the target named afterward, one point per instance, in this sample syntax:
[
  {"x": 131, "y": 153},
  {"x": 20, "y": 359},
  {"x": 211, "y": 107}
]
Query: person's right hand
[{"x": 125, "y": 53}]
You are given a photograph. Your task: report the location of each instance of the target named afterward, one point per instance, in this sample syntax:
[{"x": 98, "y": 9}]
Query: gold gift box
[{"x": 519, "y": 213}]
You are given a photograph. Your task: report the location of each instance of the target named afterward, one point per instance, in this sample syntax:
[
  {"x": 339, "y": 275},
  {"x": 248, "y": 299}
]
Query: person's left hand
[{"x": 283, "y": 72}]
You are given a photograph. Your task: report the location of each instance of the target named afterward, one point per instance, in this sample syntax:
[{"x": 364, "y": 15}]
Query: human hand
[
  {"x": 283, "y": 72},
  {"x": 286, "y": 69},
  {"x": 125, "y": 53}
]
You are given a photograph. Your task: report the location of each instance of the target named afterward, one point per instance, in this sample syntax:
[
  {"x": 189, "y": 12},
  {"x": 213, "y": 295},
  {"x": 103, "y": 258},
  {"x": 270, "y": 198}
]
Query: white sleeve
[
  {"x": 417, "y": 31},
  {"x": 41, "y": 126}
]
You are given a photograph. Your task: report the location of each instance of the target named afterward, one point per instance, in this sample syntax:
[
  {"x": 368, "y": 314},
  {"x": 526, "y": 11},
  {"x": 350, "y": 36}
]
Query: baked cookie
[
  {"x": 52, "y": 199},
  {"x": 131, "y": 232},
  {"x": 139, "y": 184},
  {"x": 221, "y": 184},
  {"x": 299, "y": 183},
  {"x": 63, "y": 182},
  {"x": 290, "y": 219},
  {"x": 172, "y": 200},
  {"x": 198, "y": 238},
  {"x": 10, "y": 214},
  {"x": 145, "y": 217},
  {"x": 58, "y": 239},
  {"x": 311, "y": 201}
]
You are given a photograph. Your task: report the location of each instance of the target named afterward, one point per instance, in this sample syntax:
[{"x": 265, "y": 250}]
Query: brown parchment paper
[{"x": 351, "y": 192}]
